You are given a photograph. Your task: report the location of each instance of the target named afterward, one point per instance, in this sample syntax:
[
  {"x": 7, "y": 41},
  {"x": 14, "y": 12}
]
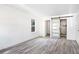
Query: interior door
[{"x": 63, "y": 28}]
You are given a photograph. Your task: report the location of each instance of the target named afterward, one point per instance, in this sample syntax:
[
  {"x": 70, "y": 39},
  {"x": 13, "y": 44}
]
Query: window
[{"x": 32, "y": 25}]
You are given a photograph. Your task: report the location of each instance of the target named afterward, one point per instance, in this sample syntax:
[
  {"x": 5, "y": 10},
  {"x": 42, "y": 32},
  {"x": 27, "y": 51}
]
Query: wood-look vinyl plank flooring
[{"x": 44, "y": 46}]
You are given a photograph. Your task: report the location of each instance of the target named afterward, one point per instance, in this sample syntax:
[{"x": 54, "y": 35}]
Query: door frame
[{"x": 46, "y": 27}]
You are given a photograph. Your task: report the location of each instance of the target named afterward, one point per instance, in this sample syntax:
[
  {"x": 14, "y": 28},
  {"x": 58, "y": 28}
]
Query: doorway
[
  {"x": 63, "y": 28},
  {"x": 48, "y": 28}
]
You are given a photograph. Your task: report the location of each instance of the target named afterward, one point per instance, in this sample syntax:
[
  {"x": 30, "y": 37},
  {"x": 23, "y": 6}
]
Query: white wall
[
  {"x": 15, "y": 26},
  {"x": 77, "y": 27},
  {"x": 71, "y": 28}
]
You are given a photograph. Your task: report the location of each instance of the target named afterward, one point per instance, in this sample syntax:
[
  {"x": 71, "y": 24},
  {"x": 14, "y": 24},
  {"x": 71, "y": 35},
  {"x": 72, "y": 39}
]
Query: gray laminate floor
[{"x": 44, "y": 46}]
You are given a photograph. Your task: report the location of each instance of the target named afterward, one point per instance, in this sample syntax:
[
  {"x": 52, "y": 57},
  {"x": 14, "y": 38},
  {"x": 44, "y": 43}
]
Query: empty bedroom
[{"x": 39, "y": 28}]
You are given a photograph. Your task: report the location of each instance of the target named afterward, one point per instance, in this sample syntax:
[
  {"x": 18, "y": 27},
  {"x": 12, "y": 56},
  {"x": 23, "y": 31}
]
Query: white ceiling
[{"x": 53, "y": 9}]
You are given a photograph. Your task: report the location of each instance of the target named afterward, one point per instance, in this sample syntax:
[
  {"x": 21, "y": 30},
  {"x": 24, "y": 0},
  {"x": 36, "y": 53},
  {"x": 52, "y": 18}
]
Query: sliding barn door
[{"x": 55, "y": 28}]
